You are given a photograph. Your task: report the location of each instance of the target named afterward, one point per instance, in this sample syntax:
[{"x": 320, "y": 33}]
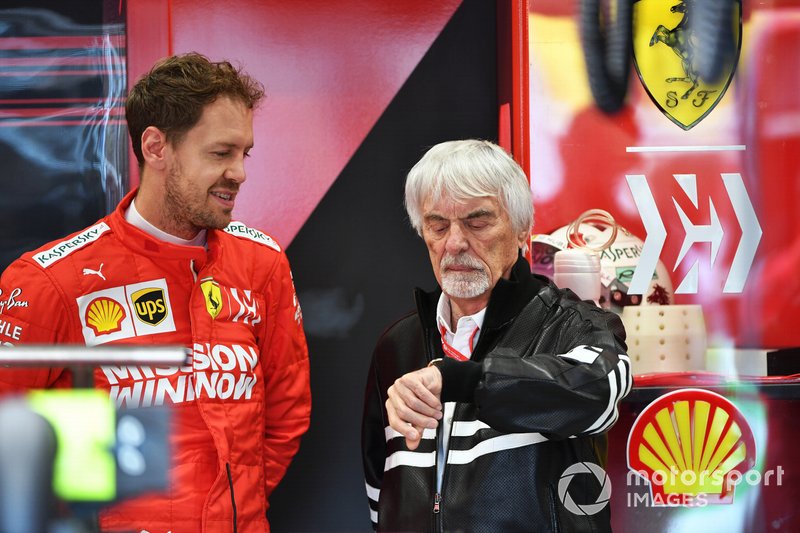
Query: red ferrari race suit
[{"x": 241, "y": 401}]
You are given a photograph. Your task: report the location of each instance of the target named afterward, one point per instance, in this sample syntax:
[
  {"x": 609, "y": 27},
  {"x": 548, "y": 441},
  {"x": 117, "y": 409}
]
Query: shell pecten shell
[
  {"x": 688, "y": 442},
  {"x": 104, "y": 315}
]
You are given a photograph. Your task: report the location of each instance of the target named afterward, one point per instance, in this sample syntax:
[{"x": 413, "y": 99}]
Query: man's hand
[{"x": 414, "y": 404}]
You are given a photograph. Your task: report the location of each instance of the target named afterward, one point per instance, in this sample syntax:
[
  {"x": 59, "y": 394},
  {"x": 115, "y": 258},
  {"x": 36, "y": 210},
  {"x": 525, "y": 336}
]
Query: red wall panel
[{"x": 329, "y": 68}]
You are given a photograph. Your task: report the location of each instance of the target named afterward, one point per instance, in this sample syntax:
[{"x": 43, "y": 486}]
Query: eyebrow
[
  {"x": 480, "y": 213},
  {"x": 229, "y": 146}
]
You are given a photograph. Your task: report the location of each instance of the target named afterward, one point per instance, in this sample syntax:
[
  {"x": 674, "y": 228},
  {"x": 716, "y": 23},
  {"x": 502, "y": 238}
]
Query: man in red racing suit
[{"x": 241, "y": 401}]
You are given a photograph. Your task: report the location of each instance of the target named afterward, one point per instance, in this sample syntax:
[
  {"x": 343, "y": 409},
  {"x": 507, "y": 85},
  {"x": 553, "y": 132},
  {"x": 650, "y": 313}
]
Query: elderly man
[{"x": 477, "y": 403}]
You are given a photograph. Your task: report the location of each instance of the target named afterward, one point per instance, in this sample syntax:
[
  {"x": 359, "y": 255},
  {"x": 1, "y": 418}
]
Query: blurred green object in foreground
[{"x": 84, "y": 421}]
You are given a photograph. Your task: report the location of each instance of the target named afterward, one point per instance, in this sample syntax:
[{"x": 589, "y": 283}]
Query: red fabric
[
  {"x": 451, "y": 352},
  {"x": 243, "y": 397}
]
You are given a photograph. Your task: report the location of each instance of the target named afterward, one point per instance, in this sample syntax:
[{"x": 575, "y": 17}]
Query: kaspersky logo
[
  {"x": 665, "y": 51},
  {"x": 691, "y": 446}
]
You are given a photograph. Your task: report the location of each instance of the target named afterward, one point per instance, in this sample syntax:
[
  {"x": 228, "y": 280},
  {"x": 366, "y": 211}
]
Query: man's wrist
[{"x": 459, "y": 379}]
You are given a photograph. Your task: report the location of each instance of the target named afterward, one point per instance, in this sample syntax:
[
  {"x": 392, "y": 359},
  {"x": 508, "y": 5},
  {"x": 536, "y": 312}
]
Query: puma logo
[{"x": 98, "y": 272}]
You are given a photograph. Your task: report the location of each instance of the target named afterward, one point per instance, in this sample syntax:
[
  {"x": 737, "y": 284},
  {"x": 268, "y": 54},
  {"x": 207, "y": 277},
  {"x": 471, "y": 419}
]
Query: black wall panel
[{"x": 357, "y": 260}]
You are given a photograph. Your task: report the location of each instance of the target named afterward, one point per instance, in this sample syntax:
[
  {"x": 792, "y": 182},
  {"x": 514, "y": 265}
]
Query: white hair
[{"x": 462, "y": 170}]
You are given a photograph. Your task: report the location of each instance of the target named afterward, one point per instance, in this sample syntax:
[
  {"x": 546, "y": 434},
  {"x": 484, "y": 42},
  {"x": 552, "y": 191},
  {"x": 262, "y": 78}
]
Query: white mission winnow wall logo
[{"x": 711, "y": 233}]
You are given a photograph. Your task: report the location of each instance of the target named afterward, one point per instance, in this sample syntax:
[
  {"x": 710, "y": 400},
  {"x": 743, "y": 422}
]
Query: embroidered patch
[
  {"x": 64, "y": 248},
  {"x": 108, "y": 315},
  {"x": 240, "y": 230}
]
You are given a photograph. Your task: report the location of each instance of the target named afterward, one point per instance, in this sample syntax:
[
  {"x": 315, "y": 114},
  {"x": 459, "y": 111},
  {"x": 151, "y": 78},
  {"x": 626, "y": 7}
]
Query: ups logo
[
  {"x": 668, "y": 49},
  {"x": 150, "y": 305}
]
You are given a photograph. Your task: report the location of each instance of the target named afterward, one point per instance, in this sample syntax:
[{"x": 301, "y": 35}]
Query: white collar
[
  {"x": 134, "y": 218},
  {"x": 443, "y": 316}
]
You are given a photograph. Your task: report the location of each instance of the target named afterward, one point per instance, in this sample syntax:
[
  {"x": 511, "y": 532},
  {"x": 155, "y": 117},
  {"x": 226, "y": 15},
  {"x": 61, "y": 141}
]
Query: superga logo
[
  {"x": 240, "y": 230},
  {"x": 108, "y": 315},
  {"x": 149, "y": 305},
  {"x": 220, "y": 371},
  {"x": 64, "y": 248}
]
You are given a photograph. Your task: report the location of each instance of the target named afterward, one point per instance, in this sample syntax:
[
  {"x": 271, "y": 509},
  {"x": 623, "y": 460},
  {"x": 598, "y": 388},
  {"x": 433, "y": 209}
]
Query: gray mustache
[{"x": 460, "y": 260}]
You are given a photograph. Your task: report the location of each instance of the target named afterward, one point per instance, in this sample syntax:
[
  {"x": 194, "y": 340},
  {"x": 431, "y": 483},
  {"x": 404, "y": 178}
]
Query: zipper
[
  {"x": 436, "y": 517},
  {"x": 438, "y": 496},
  {"x": 233, "y": 500},
  {"x": 191, "y": 267}
]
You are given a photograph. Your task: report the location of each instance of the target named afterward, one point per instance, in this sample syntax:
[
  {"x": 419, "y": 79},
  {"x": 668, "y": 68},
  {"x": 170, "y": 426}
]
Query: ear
[
  {"x": 154, "y": 148},
  {"x": 523, "y": 239}
]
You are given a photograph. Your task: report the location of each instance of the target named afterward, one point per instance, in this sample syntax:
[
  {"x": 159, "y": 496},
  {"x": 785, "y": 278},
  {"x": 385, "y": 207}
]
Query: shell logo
[
  {"x": 689, "y": 443},
  {"x": 104, "y": 315}
]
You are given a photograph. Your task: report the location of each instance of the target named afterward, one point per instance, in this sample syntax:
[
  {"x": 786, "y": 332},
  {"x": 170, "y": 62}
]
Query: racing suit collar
[{"x": 142, "y": 242}]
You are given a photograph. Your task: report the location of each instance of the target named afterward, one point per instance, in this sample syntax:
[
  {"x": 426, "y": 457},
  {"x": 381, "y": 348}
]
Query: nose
[
  {"x": 456, "y": 240},
  {"x": 235, "y": 172}
]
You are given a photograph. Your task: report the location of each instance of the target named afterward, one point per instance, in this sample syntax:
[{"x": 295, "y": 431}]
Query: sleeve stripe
[
  {"x": 404, "y": 458},
  {"x": 493, "y": 445},
  {"x": 467, "y": 429},
  {"x": 373, "y": 515},
  {"x": 582, "y": 354},
  {"x": 373, "y": 493},
  {"x": 624, "y": 387},
  {"x": 390, "y": 433},
  {"x": 612, "y": 403}
]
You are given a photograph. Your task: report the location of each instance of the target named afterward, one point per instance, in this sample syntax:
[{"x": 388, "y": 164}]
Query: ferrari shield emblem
[
  {"x": 213, "y": 297},
  {"x": 666, "y": 52}
]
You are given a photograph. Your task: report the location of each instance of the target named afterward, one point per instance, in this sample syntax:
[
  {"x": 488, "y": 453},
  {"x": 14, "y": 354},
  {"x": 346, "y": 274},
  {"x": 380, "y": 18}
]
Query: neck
[
  {"x": 460, "y": 307},
  {"x": 150, "y": 205}
]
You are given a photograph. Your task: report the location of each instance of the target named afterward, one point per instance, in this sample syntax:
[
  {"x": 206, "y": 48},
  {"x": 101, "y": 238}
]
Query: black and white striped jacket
[{"x": 539, "y": 392}]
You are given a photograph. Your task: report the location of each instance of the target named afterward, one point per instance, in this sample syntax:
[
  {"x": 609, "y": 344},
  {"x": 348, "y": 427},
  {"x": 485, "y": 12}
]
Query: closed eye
[{"x": 477, "y": 223}]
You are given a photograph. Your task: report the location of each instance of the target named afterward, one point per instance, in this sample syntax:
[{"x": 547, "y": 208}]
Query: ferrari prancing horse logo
[{"x": 664, "y": 49}]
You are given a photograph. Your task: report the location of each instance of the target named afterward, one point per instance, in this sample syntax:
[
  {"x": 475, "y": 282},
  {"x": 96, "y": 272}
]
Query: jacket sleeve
[
  {"x": 284, "y": 353},
  {"x": 564, "y": 387},
  {"x": 373, "y": 441},
  {"x": 32, "y": 311}
]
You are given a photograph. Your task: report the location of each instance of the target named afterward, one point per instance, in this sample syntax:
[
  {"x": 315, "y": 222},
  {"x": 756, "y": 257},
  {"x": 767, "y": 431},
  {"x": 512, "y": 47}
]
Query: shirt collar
[
  {"x": 134, "y": 218},
  {"x": 443, "y": 316}
]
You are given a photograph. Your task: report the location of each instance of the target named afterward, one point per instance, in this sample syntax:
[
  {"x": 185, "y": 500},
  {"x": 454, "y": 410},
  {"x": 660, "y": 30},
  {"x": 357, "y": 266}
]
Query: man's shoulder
[
  {"x": 400, "y": 349},
  {"x": 246, "y": 236},
  {"x": 405, "y": 330},
  {"x": 567, "y": 308},
  {"x": 56, "y": 251},
  {"x": 406, "y": 323}
]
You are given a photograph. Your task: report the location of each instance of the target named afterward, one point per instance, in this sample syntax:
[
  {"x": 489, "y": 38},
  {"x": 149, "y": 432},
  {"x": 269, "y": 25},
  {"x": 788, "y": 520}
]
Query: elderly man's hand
[{"x": 414, "y": 404}]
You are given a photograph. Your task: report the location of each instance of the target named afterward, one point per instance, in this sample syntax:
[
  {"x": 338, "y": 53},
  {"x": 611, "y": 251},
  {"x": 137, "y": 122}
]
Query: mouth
[
  {"x": 460, "y": 268},
  {"x": 226, "y": 198}
]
